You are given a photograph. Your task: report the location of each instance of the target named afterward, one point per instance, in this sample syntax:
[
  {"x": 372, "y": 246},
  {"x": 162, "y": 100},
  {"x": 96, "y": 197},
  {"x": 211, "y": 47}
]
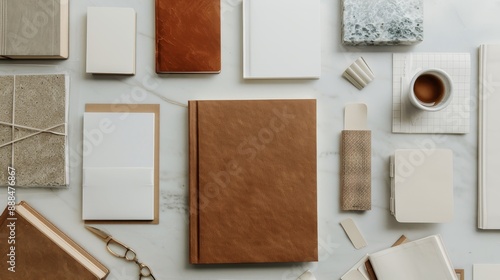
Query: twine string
[{"x": 13, "y": 126}]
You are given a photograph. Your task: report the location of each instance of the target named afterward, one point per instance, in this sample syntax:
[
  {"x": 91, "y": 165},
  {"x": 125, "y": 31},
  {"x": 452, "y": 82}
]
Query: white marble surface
[{"x": 450, "y": 25}]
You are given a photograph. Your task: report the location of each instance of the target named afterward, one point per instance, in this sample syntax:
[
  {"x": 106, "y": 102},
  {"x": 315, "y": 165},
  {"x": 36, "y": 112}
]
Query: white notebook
[
  {"x": 281, "y": 39},
  {"x": 489, "y": 137},
  {"x": 111, "y": 40},
  {"x": 118, "y": 166},
  {"x": 421, "y": 259},
  {"x": 422, "y": 185}
]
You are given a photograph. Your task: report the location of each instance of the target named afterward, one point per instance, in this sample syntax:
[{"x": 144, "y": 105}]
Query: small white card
[{"x": 111, "y": 40}]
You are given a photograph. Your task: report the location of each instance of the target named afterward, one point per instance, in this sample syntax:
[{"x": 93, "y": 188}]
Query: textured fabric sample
[
  {"x": 39, "y": 102},
  {"x": 356, "y": 170}
]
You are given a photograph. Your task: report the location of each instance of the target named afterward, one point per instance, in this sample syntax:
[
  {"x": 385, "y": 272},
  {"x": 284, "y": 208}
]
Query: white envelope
[{"x": 118, "y": 166}]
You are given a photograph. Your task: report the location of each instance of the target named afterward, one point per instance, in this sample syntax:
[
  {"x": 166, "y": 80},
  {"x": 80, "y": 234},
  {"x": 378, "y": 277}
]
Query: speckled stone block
[{"x": 382, "y": 22}]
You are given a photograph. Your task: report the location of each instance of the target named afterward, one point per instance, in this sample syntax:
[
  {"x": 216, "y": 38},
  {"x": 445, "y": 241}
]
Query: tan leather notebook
[
  {"x": 188, "y": 36},
  {"x": 35, "y": 249},
  {"x": 252, "y": 181}
]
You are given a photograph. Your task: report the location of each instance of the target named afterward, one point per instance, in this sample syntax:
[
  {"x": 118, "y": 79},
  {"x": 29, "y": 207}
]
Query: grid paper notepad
[{"x": 453, "y": 119}]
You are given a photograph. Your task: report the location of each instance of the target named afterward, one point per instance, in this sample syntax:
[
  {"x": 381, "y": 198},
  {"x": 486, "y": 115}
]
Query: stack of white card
[
  {"x": 111, "y": 39},
  {"x": 421, "y": 259}
]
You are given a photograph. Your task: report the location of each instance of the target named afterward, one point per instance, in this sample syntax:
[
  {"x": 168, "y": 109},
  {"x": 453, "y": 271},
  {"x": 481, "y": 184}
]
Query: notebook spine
[
  {"x": 481, "y": 137},
  {"x": 193, "y": 184},
  {"x": 3, "y": 27},
  {"x": 66, "y": 238}
]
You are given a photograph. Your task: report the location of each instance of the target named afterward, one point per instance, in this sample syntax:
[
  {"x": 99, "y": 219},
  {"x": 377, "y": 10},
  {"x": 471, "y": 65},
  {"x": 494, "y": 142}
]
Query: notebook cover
[
  {"x": 188, "y": 36},
  {"x": 252, "y": 181},
  {"x": 111, "y": 43},
  {"x": 488, "y": 138},
  {"x": 37, "y": 256},
  {"x": 281, "y": 39},
  {"x": 137, "y": 108},
  {"x": 34, "y": 29}
]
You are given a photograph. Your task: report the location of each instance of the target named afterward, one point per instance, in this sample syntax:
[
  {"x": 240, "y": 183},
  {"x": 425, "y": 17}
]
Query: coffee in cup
[{"x": 431, "y": 90}]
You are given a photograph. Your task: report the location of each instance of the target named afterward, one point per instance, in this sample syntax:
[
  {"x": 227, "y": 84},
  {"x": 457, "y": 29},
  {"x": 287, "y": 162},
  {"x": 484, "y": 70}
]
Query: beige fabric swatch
[{"x": 40, "y": 102}]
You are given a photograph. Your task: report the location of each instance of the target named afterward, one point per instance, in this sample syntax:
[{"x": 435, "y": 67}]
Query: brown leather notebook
[
  {"x": 252, "y": 181},
  {"x": 33, "y": 248},
  {"x": 188, "y": 36}
]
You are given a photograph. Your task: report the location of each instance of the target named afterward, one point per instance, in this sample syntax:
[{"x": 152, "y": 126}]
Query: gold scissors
[{"x": 120, "y": 250}]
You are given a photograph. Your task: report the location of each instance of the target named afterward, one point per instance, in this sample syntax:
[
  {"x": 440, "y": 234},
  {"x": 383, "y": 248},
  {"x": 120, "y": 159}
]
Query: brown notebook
[
  {"x": 188, "y": 36},
  {"x": 42, "y": 251},
  {"x": 252, "y": 181}
]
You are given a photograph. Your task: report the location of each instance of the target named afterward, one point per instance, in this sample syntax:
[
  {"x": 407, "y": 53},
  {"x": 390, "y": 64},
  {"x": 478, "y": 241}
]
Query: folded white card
[
  {"x": 489, "y": 137},
  {"x": 281, "y": 39},
  {"x": 422, "y": 185},
  {"x": 118, "y": 166},
  {"x": 425, "y": 258},
  {"x": 111, "y": 39},
  {"x": 486, "y": 271}
]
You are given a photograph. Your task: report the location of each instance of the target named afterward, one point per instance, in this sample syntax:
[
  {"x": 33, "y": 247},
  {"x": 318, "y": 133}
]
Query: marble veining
[
  {"x": 382, "y": 22},
  {"x": 450, "y": 26}
]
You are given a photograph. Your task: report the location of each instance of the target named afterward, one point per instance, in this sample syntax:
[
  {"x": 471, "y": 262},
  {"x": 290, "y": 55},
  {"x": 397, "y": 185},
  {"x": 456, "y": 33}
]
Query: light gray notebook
[
  {"x": 489, "y": 136},
  {"x": 34, "y": 29}
]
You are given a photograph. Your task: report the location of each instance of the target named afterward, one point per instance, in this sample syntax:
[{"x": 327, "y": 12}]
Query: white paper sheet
[{"x": 118, "y": 163}]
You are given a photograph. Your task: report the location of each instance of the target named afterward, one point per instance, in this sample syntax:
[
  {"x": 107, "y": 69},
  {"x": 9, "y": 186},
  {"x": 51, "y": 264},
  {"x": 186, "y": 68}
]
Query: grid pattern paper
[{"x": 453, "y": 119}]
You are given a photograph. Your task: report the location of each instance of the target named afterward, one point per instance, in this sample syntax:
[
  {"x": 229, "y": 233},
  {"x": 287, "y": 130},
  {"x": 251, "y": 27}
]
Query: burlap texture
[
  {"x": 356, "y": 170},
  {"x": 40, "y": 102}
]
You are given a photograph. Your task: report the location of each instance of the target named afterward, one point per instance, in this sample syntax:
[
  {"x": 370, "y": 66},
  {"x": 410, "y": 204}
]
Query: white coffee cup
[{"x": 431, "y": 90}]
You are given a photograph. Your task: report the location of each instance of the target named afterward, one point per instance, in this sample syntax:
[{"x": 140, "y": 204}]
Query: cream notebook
[
  {"x": 489, "y": 137},
  {"x": 281, "y": 39},
  {"x": 421, "y": 259},
  {"x": 422, "y": 185},
  {"x": 111, "y": 40}
]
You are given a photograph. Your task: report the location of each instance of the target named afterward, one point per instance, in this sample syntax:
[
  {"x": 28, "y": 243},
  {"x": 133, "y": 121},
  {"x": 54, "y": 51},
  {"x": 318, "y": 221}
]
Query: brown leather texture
[
  {"x": 252, "y": 170},
  {"x": 356, "y": 170},
  {"x": 37, "y": 257},
  {"x": 188, "y": 36}
]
